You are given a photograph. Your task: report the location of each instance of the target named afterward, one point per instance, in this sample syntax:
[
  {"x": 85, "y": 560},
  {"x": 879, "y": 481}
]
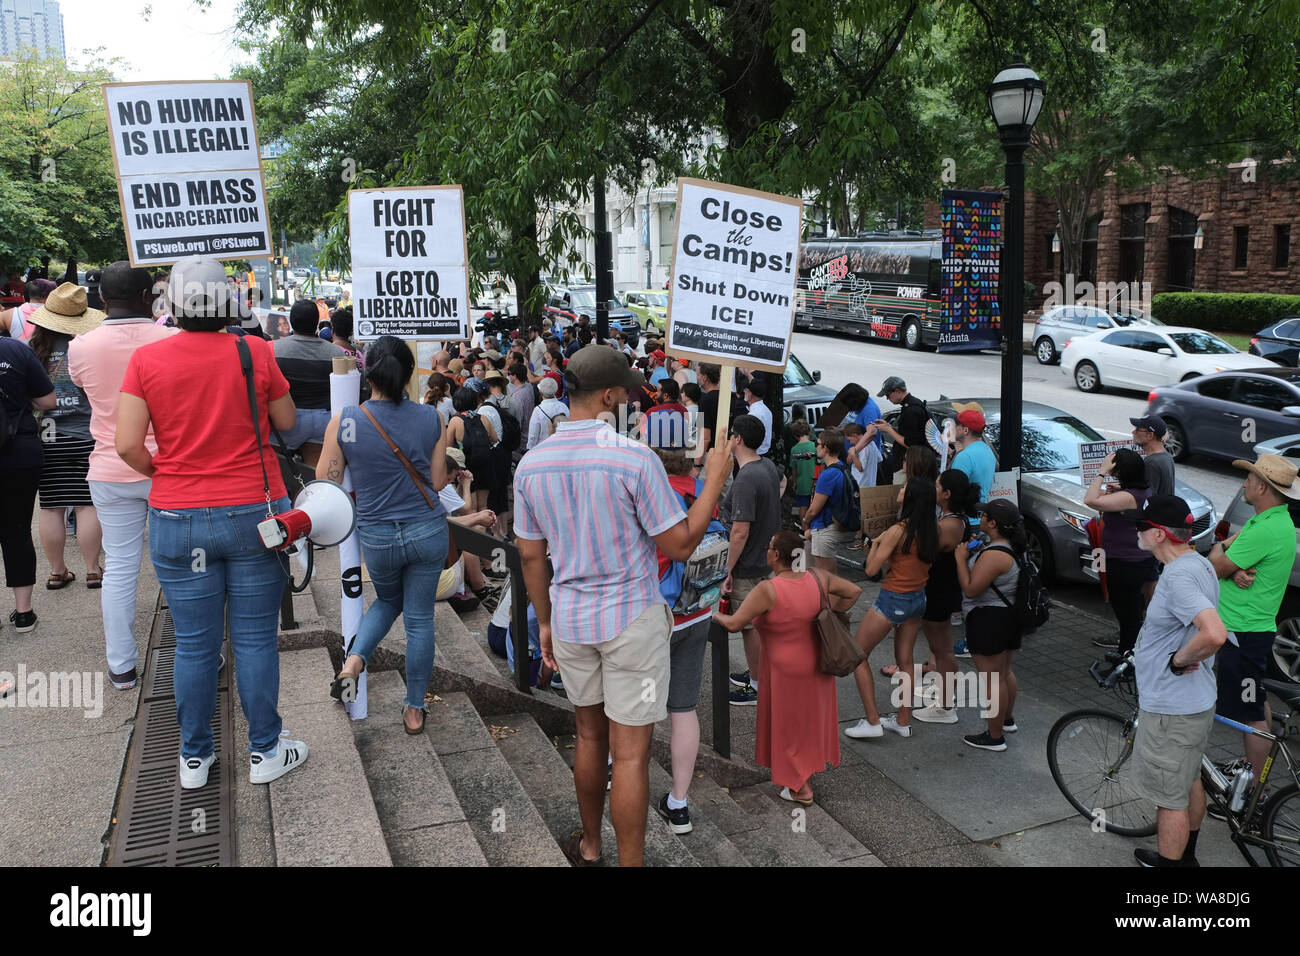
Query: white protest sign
[
  {"x": 1092, "y": 454},
  {"x": 188, "y": 171},
  {"x": 735, "y": 266},
  {"x": 1004, "y": 485},
  {"x": 410, "y": 264}
]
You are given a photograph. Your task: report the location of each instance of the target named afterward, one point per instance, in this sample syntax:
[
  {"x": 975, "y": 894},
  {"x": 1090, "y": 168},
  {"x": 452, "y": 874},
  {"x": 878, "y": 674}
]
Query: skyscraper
[{"x": 31, "y": 23}]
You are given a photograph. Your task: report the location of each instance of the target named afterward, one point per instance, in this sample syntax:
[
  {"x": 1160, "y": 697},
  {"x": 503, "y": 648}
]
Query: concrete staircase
[{"x": 489, "y": 781}]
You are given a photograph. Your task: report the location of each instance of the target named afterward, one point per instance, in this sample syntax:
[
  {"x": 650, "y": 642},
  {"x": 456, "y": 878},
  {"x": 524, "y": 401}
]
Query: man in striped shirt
[{"x": 603, "y": 505}]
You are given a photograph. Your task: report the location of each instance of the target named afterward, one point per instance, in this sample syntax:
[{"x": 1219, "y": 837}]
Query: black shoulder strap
[
  {"x": 246, "y": 368},
  {"x": 1014, "y": 561}
]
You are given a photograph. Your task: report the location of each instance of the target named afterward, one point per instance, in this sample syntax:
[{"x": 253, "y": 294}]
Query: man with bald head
[{"x": 97, "y": 364}]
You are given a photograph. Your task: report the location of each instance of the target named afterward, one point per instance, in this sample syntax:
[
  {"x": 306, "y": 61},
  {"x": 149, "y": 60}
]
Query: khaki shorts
[
  {"x": 628, "y": 674},
  {"x": 1167, "y": 755},
  {"x": 740, "y": 589},
  {"x": 826, "y": 540}
]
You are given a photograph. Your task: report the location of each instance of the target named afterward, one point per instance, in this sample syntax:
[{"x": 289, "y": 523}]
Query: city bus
[{"x": 883, "y": 285}]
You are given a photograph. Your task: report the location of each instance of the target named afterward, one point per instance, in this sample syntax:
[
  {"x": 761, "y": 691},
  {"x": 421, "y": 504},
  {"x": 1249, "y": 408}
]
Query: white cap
[{"x": 198, "y": 288}]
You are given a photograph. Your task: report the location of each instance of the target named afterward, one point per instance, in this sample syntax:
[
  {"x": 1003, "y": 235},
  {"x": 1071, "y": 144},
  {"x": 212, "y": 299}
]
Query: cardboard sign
[
  {"x": 735, "y": 266},
  {"x": 1092, "y": 454},
  {"x": 879, "y": 508},
  {"x": 410, "y": 264},
  {"x": 1004, "y": 485},
  {"x": 188, "y": 172}
]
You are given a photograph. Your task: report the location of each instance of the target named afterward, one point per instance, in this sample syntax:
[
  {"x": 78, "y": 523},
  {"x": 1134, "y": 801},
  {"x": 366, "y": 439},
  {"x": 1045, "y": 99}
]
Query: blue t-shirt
[
  {"x": 978, "y": 463},
  {"x": 831, "y": 484},
  {"x": 385, "y": 490},
  {"x": 658, "y": 375},
  {"x": 869, "y": 414}
]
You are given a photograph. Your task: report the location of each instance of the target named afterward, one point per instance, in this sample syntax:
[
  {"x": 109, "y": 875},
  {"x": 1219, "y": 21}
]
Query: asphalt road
[{"x": 930, "y": 375}]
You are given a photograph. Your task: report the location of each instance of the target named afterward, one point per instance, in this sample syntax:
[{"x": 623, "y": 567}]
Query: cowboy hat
[
  {"x": 65, "y": 311},
  {"x": 1275, "y": 470}
]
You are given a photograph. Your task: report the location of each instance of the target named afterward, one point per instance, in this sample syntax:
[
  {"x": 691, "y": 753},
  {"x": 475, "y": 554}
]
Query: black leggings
[
  {"x": 17, "y": 502},
  {"x": 1124, "y": 580}
]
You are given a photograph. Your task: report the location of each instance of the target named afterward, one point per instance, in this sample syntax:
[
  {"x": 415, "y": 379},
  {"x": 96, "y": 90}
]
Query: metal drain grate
[{"x": 158, "y": 823}]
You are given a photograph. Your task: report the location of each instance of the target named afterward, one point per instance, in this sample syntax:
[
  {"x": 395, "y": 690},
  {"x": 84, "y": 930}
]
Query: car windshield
[
  {"x": 1136, "y": 318},
  {"x": 1201, "y": 343},
  {"x": 328, "y": 288},
  {"x": 1049, "y": 444},
  {"x": 796, "y": 376},
  {"x": 582, "y": 299},
  {"x": 657, "y": 299}
]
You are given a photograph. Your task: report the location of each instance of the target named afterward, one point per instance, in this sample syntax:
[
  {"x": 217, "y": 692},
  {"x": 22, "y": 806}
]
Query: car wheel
[
  {"x": 1285, "y": 662},
  {"x": 912, "y": 334},
  {"x": 1189, "y": 376},
  {"x": 1045, "y": 349},
  {"x": 1038, "y": 548},
  {"x": 1087, "y": 377},
  {"x": 1176, "y": 440}
]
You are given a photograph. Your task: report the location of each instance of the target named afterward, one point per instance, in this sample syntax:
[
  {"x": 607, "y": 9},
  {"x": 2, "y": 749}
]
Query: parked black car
[
  {"x": 1225, "y": 414},
  {"x": 1280, "y": 342}
]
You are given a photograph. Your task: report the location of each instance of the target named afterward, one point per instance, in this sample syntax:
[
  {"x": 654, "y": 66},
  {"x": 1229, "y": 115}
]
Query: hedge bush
[{"x": 1245, "y": 312}]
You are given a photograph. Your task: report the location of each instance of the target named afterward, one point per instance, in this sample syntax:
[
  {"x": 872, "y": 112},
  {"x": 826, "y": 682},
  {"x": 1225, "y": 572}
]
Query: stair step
[
  {"x": 706, "y": 842},
  {"x": 548, "y": 778},
  {"x": 459, "y": 650},
  {"x": 322, "y": 814},
  {"x": 783, "y": 837},
  {"x": 423, "y": 822},
  {"x": 843, "y": 847},
  {"x": 504, "y": 820}
]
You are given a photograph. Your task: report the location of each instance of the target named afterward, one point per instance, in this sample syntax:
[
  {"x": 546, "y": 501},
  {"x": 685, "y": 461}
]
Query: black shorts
[
  {"x": 992, "y": 630},
  {"x": 1239, "y": 671},
  {"x": 942, "y": 594}
]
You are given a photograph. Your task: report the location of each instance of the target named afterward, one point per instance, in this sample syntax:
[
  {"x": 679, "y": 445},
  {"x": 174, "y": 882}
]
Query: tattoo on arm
[{"x": 335, "y": 471}]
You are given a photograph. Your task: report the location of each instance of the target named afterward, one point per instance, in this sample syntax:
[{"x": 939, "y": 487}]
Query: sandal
[
  {"x": 95, "y": 580},
  {"x": 407, "y": 727},
  {"x": 787, "y": 794},
  {"x": 889, "y": 670},
  {"x": 57, "y": 582},
  {"x": 6, "y": 688},
  {"x": 339, "y": 684},
  {"x": 571, "y": 847}
]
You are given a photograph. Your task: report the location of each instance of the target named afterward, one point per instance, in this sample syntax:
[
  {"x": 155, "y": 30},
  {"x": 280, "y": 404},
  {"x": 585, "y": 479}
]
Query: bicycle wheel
[
  {"x": 1090, "y": 756},
  {"x": 1281, "y": 826}
]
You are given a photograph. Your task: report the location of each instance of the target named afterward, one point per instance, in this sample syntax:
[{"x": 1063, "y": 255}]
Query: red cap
[
  {"x": 971, "y": 419},
  {"x": 659, "y": 356}
]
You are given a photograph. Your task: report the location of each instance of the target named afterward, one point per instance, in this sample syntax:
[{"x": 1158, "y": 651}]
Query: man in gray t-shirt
[
  {"x": 1173, "y": 661},
  {"x": 1149, "y": 435}
]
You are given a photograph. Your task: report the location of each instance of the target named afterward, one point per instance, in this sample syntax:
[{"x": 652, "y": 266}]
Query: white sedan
[{"x": 1146, "y": 357}]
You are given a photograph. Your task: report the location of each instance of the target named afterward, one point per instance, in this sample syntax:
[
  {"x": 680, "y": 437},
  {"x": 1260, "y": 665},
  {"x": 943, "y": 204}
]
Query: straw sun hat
[{"x": 65, "y": 311}]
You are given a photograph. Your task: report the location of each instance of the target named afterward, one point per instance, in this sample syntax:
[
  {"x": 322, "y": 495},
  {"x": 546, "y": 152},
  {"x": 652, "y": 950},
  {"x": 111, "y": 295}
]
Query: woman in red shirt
[{"x": 213, "y": 483}]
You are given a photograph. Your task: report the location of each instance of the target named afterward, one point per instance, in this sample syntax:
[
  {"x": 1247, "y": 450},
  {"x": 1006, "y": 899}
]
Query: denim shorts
[{"x": 898, "y": 608}]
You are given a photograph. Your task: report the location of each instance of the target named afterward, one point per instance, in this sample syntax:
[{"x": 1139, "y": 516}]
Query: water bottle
[{"x": 1241, "y": 782}]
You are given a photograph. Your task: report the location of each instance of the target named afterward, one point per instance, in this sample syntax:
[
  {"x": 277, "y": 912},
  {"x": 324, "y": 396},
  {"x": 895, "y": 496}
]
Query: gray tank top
[{"x": 1005, "y": 582}]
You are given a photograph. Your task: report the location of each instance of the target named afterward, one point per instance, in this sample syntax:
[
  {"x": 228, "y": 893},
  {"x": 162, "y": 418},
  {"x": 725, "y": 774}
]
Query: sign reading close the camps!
[
  {"x": 410, "y": 264},
  {"x": 735, "y": 265},
  {"x": 971, "y": 223},
  {"x": 188, "y": 170}
]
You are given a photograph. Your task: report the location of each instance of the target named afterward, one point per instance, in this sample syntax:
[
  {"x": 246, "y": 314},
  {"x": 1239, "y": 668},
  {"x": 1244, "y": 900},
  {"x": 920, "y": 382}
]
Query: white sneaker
[
  {"x": 934, "y": 714},
  {"x": 288, "y": 755},
  {"x": 890, "y": 722},
  {"x": 863, "y": 729},
  {"x": 194, "y": 771}
]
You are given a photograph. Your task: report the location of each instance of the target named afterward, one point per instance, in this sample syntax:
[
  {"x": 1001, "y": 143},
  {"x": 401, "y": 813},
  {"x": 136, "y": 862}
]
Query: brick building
[{"x": 1148, "y": 234}]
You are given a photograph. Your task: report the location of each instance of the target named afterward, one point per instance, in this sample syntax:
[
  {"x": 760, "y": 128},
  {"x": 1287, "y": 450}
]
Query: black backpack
[
  {"x": 845, "y": 508},
  {"x": 510, "y": 431},
  {"x": 477, "y": 447},
  {"x": 1033, "y": 605}
]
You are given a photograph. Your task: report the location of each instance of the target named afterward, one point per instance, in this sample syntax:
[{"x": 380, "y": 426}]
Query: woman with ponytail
[
  {"x": 988, "y": 585},
  {"x": 401, "y": 523}
]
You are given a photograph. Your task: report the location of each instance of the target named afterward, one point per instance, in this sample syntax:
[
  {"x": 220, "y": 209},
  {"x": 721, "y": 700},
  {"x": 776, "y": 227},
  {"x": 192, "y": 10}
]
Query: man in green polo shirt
[{"x": 1254, "y": 566}]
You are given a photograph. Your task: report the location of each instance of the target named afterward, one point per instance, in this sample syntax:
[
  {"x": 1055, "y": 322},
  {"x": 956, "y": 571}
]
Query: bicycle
[{"x": 1099, "y": 743}]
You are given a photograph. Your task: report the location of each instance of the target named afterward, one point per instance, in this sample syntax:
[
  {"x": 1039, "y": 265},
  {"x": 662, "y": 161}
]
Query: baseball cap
[
  {"x": 757, "y": 386},
  {"x": 548, "y": 387},
  {"x": 1003, "y": 511},
  {"x": 971, "y": 419},
  {"x": 594, "y": 367},
  {"x": 659, "y": 356},
  {"x": 1152, "y": 423},
  {"x": 455, "y": 366},
  {"x": 198, "y": 289},
  {"x": 456, "y": 455},
  {"x": 477, "y": 384},
  {"x": 891, "y": 383},
  {"x": 1169, "y": 513}
]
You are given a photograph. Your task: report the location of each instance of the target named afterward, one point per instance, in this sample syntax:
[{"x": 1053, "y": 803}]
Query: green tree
[{"x": 58, "y": 191}]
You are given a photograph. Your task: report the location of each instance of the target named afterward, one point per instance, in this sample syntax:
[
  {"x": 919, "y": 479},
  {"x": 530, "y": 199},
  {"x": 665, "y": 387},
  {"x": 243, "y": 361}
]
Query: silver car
[
  {"x": 1052, "y": 488},
  {"x": 1058, "y": 325}
]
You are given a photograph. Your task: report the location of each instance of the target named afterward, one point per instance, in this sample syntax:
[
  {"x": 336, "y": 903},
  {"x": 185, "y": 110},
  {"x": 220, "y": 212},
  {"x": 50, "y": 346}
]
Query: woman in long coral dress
[{"x": 798, "y": 721}]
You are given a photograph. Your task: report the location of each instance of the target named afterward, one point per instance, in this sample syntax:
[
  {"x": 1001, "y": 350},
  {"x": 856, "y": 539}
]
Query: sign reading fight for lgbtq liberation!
[
  {"x": 410, "y": 264},
  {"x": 735, "y": 265},
  {"x": 971, "y": 317},
  {"x": 188, "y": 171}
]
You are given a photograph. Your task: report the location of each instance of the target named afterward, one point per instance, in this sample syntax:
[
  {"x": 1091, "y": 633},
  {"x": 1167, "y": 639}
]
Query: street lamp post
[{"x": 1015, "y": 98}]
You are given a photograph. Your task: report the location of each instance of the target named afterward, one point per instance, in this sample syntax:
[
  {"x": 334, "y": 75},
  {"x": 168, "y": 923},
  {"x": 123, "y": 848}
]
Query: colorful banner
[{"x": 971, "y": 317}]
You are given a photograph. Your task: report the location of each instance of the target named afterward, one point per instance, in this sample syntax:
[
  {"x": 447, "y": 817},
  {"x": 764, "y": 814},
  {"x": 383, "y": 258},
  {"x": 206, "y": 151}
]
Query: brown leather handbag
[
  {"x": 453, "y": 553},
  {"x": 840, "y": 654}
]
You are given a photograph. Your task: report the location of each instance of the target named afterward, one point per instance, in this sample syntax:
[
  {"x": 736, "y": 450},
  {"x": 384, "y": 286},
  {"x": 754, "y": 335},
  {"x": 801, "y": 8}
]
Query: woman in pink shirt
[{"x": 97, "y": 363}]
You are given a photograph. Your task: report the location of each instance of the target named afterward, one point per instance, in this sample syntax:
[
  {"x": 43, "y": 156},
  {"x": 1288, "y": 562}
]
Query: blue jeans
[
  {"x": 209, "y": 560},
  {"x": 309, "y": 426},
  {"x": 405, "y": 559}
]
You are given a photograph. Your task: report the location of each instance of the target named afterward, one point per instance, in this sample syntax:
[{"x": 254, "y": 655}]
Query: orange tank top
[{"x": 907, "y": 572}]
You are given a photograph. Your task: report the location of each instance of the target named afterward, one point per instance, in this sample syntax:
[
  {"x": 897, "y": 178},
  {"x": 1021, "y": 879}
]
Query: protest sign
[
  {"x": 1093, "y": 453},
  {"x": 1004, "y": 485},
  {"x": 188, "y": 172},
  {"x": 410, "y": 264},
  {"x": 735, "y": 266},
  {"x": 879, "y": 508}
]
